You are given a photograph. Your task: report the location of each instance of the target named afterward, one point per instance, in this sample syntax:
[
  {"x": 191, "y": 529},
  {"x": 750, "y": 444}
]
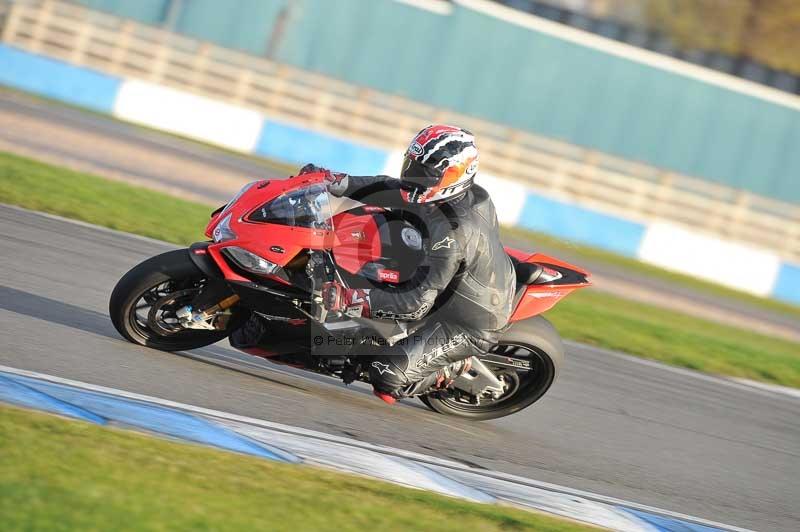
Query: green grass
[
  {"x": 58, "y": 474},
  {"x": 588, "y": 316},
  {"x": 113, "y": 204},
  {"x": 650, "y": 332}
]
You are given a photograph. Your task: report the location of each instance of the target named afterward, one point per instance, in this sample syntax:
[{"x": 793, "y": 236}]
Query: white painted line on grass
[
  {"x": 772, "y": 388},
  {"x": 95, "y": 227},
  {"x": 746, "y": 385}
]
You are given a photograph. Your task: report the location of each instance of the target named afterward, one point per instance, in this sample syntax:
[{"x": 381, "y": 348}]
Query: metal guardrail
[{"x": 129, "y": 49}]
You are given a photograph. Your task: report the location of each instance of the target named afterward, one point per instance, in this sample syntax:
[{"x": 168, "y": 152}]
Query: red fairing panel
[
  {"x": 539, "y": 298},
  {"x": 357, "y": 241}
]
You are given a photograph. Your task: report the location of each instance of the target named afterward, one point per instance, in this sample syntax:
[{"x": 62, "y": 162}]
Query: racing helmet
[{"x": 440, "y": 163}]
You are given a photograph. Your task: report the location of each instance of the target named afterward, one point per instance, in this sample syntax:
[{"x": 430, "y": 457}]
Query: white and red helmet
[{"x": 440, "y": 163}]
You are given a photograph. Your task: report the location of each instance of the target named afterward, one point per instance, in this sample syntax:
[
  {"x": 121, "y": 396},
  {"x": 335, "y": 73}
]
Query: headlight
[
  {"x": 250, "y": 261},
  {"x": 222, "y": 231}
]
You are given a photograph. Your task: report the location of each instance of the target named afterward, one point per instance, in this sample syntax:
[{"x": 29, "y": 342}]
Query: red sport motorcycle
[{"x": 274, "y": 247}]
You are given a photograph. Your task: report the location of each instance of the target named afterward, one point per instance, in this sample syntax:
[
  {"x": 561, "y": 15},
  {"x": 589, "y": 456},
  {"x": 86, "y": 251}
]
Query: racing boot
[{"x": 438, "y": 380}]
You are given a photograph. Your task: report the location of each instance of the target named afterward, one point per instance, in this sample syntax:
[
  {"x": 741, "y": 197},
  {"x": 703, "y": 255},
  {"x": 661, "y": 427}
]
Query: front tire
[
  {"x": 169, "y": 272},
  {"x": 541, "y": 344}
]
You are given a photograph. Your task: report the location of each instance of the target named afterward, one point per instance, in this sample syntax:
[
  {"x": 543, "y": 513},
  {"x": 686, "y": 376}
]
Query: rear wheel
[
  {"x": 531, "y": 353},
  {"x": 144, "y": 301}
]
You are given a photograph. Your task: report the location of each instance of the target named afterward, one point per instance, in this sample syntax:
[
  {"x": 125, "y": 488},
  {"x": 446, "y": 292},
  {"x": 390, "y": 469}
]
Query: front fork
[{"x": 210, "y": 310}]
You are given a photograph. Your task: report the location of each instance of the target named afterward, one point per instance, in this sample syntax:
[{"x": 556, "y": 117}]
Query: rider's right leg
[{"x": 431, "y": 357}]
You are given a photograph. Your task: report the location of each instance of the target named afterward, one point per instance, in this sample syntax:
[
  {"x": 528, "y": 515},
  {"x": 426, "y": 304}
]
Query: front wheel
[
  {"x": 143, "y": 303},
  {"x": 536, "y": 352}
]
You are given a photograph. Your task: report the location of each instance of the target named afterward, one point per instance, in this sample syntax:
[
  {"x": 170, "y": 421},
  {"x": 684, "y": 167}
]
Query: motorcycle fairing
[
  {"x": 534, "y": 299},
  {"x": 357, "y": 241}
]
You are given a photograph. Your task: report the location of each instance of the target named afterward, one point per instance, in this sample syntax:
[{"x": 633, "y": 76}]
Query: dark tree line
[{"x": 767, "y": 31}]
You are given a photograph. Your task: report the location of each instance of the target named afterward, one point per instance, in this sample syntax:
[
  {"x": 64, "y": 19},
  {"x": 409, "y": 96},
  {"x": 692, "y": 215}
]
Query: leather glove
[
  {"x": 335, "y": 181},
  {"x": 353, "y": 302},
  {"x": 312, "y": 168}
]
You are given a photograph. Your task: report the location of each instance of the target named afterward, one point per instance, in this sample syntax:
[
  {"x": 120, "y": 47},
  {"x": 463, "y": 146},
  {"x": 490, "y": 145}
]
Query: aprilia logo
[{"x": 391, "y": 276}]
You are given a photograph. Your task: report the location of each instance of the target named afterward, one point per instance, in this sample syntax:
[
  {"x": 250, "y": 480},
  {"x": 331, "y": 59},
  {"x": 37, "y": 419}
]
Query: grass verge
[
  {"x": 651, "y": 332},
  {"x": 58, "y": 474},
  {"x": 588, "y": 316},
  {"x": 113, "y": 204},
  {"x": 589, "y": 253}
]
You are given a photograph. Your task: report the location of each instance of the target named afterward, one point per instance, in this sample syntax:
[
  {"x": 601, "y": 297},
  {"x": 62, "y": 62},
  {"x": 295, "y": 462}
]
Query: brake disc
[{"x": 169, "y": 304}]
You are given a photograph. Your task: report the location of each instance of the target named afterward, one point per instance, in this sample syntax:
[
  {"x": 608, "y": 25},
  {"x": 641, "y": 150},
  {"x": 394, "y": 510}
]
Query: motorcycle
[{"x": 273, "y": 250}]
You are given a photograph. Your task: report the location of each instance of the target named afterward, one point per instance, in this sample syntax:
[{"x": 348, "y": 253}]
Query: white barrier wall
[
  {"x": 508, "y": 197},
  {"x": 189, "y": 115},
  {"x": 700, "y": 255},
  {"x": 394, "y": 161}
]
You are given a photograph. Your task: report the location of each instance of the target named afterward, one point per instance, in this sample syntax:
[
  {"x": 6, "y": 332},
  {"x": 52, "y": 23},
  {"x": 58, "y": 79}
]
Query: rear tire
[
  {"x": 170, "y": 267},
  {"x": 539, "y": 337}
]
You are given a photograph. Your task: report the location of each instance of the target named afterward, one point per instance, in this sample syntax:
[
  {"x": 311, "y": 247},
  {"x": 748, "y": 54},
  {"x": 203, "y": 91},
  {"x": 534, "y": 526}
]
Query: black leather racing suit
[{"x": 464, "y": 288}]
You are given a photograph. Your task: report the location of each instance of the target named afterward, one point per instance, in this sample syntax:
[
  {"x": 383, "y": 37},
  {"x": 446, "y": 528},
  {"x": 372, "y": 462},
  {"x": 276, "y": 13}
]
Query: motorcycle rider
[{"x": 464, "y": 287}]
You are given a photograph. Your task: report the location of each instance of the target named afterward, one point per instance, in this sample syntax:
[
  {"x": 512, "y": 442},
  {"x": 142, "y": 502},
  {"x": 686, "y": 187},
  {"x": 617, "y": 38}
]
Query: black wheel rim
[
  {"x": 139, "y": 314},
  {"x": 532, "y": 382}
]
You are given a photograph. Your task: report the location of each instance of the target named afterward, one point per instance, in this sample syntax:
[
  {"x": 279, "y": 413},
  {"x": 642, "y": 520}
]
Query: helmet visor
[{"x": 415, "y": 175}]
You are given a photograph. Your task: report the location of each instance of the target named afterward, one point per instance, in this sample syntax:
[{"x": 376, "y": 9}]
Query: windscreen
[
  {"x": 305, "y": 207},
  {"x": 238, "y": 195}
]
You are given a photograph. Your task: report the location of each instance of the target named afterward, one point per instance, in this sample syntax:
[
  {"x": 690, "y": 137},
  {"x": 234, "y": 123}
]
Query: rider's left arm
[{"x": 378, "y": 190}]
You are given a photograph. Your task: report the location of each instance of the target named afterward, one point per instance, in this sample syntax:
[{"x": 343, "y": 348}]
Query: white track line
[
  {"x": 421, "y": 458},
  {"x": 747, "y": 385},
  {"x": 93, "y": 226},
  {"x": 772, "y": 388}
]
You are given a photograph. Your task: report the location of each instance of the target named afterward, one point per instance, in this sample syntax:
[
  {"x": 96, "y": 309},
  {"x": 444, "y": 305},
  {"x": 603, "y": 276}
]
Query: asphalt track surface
[
  {"x": 98, "y": 144},
  {"x": 612, "y": 425}
]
